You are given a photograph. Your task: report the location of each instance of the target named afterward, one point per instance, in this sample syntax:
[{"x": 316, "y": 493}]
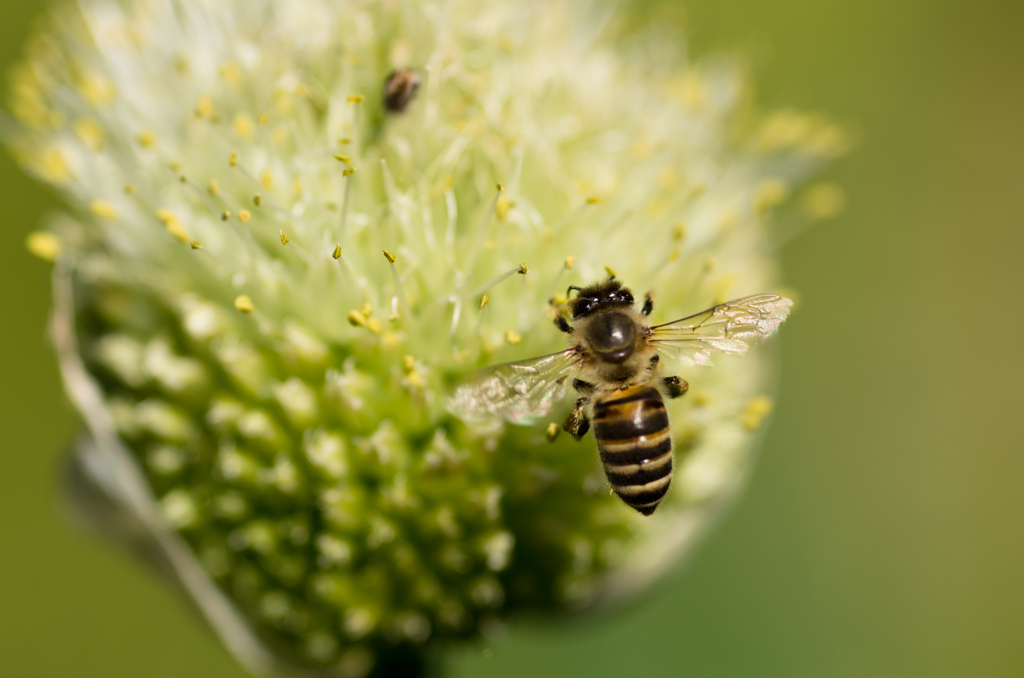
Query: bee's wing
[
  {"x": 516, "y": 392},
  {"x": 731, "y": 327}
]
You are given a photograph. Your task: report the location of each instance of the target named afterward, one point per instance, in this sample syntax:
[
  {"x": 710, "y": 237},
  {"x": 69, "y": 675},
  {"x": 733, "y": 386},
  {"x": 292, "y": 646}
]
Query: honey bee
[
  {"x": 399, "y": 89},
  {"x": 615, "y": 364}
]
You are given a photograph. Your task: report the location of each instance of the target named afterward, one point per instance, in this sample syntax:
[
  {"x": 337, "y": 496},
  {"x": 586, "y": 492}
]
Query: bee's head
[{"x": 596, "y": 296}]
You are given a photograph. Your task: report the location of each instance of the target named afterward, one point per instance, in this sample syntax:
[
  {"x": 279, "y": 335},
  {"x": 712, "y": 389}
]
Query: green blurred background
[{"x": 883, "y": 530}]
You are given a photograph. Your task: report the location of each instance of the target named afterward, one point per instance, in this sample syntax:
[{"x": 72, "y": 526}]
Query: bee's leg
[
  {"x": 577, "y": 424},
  {"x": 562, "y": 324},
  {"x": 584, "y": 388},
  {"x": 648, "y": 305},
  {"x": 674, "y": 386}
]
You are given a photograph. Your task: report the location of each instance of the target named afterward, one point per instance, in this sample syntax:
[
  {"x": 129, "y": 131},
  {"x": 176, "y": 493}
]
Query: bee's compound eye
[
  {"x": 627, "y": 297},
  {"x": 582, "y": 307}
]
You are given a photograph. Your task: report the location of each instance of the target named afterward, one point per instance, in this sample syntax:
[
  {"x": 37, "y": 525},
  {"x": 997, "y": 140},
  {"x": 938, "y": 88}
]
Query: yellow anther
[
  {"x": 349, "y": 171},
  {"x": 754, "y": 414},
  {"x": 267, "y": 179},
  {"x": 559, "y": 300},
  {"x": 177, "y": 230},
  {"x": 257, "y": 200},
  {"x": 44, "y": 245},
  {"x": 96, "y": 89},
  {"x": 674, "y": 254},
  {"x": 570, "y": 261},
  {"x": 233, "y": 159},
  {"x": 204, "y": 107},
  {"x": 502, "y": 207},
  {"x": 610, "y": 271},
  {"x": 51, "y": 166},
  {"x": 500, "y": 187},
  {"x": 770, "y": 193},
  {"x": 344, "y": 140},
  {"x": 679, "y": 232},
  {"x": 552, "y": 431},
  {"x": 593, "y": 200},
  {"x": 374, "y": 325},
  {"x": 356, "y": 99},
  {"x": 512, "y": 337},
  {"x": 823, "y": 201},
  {"x": 196, "y": 245},
  {"x": 408, "y": 364},
  {"x": 366, "y": 310},
  {"x": 89, "y": 133},
  {"x": 243, "y": 303},
  {"x": 244, "y": 128},
  {"x": 829, "y": 141},
  {"x": 146, "y": 139},
  {"x": 284, "y": 103},
  {"x": 709, "y": 264},
  {"x": 415, "y": 380},
  {"x": 232, "y": 73},
  {"x": 483, "y": 301},
  {"x": 213, "y": 187},
  {"x": 225, "y": 215},
  {"x": 389, "y": 256},
  {"x": 104, "y": 209},
  {"x": 356, "y": 319},
  {"x": 337, "y": 251},
  {"x": 523, "y": 269},
  {"x": 128, "y": 188},
  {"x": 183, "y": 179},
  {"x": 264, "y": 117},
  {"x": 668, "y": 178},
  {"x": 244, "y": 216},
  {"x": 284, "y": 238},
  {"x": 641, "y": 148}
]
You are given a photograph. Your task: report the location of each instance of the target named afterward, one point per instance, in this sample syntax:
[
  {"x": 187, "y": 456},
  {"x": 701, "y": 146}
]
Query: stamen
[
  {"x": 521, "y": 269},
  {"x": 243, "y": 303},
  {"x": 284, "y": 239},
  {"x": 398, "y": 285},
  {"x": 103, "y": 209},
  {"x": 347, "y": 178}
]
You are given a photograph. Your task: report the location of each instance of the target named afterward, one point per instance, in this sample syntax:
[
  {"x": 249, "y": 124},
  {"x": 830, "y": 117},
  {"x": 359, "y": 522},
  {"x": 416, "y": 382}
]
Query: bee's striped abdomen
[{"x": 631, "y": 427}]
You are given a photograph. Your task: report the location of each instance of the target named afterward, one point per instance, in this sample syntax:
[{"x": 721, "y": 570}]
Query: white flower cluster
[{"x": 291, "y": 226}]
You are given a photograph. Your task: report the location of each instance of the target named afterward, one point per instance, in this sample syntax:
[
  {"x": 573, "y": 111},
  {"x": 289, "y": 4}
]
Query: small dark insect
[
  {"x": 399, "y": 89},
  {"x": 614, "y": 365}
]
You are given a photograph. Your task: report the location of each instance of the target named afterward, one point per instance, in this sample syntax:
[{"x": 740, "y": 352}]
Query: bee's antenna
[{"x": 571, "y": 288}]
